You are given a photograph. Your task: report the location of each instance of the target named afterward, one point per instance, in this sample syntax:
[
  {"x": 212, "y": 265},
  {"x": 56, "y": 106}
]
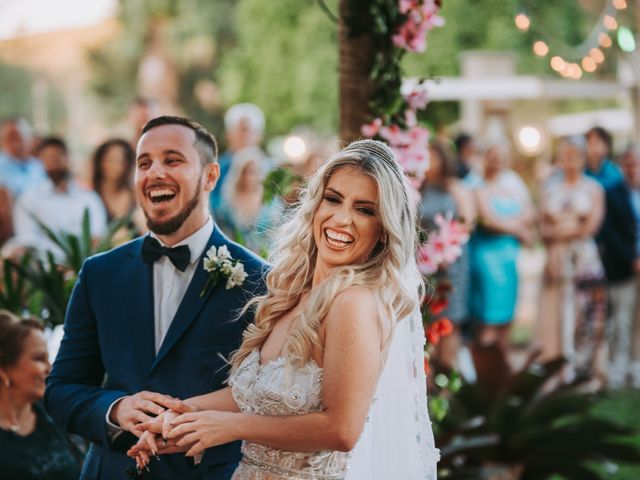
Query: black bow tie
[{"x": 152, "y": 251}]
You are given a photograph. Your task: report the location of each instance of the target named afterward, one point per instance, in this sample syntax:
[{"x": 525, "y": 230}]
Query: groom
[{"x": 140, "y": 319}]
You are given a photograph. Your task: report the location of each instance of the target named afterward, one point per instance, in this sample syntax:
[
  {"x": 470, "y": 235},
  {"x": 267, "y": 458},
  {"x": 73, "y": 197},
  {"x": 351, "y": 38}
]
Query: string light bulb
[
  {"x": 576, "y": 71},
  {"x": 604, "y": 40},
  {"x": 540, "y": 48},
  {"x": 577, "y": 66},
  {"x": 589, "y": 64},
  {"x": 597, "y": 55},
  {"x": 558, "y": 64},
  {"x": 610, "y": 22},
  {"x": 620, "y": 4},
  {"x": 522, "y": 22}
]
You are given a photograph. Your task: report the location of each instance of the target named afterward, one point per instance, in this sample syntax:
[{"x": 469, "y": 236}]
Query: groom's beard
[{"x": 173, "y": 224}]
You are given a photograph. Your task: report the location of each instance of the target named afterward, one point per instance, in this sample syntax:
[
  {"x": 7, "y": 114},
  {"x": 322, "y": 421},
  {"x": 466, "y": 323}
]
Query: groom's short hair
[{"x": 205, "y": 143}]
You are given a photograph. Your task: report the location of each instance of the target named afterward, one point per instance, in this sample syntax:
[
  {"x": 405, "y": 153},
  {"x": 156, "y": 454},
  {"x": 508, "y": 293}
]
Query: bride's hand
[
  {"x": 202, "y": 430},
  {"x": 140, "y": 451},
  {"x": 162, "y": 423},
  {"x": 148, "y": 444}
]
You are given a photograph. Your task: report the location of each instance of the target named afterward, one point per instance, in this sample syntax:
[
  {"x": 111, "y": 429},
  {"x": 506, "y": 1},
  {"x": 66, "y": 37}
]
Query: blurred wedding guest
[
  {"x": 465, "y": 151},
  {"x": 6, "y": 215},
  {"x": 443, "y": 194},
  {"x": 18, "y": 169},
  {"x": 59, "y": 203},
  {"x": 244, "y": 127},
  {"x": 32, "y": 447},
  {"x": 630, "y": 161},
  {"x": 242, "y": 213},
  {"x": 616, "y": 241},
  {"x": 113, "y": 165},
  {"x": 505, "y": 217},
  {"x": 600, "y": 164},
  {"x": 573, "y": 304}
]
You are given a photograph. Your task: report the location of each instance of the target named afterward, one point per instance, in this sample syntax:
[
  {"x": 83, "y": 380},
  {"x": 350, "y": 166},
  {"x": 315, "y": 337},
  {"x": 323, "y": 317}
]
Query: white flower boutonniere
[{"x": 219, "y": 262}]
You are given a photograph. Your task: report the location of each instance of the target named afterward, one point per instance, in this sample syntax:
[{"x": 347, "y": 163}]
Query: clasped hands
[{"x": 177, "y": 427}]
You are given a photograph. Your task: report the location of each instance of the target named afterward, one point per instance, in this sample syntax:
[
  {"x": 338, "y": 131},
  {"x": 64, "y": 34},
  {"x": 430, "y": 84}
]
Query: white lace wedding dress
[
  {"x": 274, "y": 389},
  {"x": 397, "y": 442}
]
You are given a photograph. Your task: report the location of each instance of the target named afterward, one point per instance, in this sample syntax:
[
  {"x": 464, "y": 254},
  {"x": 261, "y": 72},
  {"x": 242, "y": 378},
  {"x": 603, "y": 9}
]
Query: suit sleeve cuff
[{"x": 113, "y": 430}]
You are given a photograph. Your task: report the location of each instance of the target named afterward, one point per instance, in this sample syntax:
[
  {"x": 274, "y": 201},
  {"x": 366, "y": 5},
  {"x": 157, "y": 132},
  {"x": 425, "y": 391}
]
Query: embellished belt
[{"x": 289, "y": 473}]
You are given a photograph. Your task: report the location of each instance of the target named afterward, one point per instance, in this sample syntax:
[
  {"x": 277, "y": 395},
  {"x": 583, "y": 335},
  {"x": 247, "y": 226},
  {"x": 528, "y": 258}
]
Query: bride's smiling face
[{"x": 346, "y": 225}]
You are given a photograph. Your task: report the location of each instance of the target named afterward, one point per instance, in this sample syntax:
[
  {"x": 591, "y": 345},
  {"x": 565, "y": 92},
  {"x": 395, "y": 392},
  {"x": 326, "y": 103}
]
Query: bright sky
[{"x": 24, "y": 17}]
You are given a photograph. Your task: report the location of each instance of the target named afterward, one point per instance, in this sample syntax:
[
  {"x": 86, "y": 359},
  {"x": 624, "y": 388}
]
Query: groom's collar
[{"x": 196, "y": 242}]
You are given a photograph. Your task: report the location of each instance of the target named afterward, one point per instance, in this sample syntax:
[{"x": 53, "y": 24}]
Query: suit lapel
[
  {"x": 192, "y": 303},
  {"x": 139, "y": 306}
]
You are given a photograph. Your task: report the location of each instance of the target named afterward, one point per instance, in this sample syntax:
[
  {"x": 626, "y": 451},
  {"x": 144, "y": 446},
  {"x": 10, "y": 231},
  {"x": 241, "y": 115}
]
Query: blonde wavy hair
[{"x": 390, "y": 271}]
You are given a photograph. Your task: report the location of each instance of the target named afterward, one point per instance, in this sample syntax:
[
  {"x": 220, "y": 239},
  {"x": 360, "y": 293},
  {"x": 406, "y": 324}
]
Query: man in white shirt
[
  {"x": 145, "y": 317},
  {"x": 18, "y": 169},
  {"x": 58, "y": 202}
]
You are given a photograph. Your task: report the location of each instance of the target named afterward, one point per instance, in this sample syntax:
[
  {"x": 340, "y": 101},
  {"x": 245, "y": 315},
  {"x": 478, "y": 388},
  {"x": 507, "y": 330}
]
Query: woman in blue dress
[
  {"x": 505, "y": 218},
  {"x": 443, "y": 194}
]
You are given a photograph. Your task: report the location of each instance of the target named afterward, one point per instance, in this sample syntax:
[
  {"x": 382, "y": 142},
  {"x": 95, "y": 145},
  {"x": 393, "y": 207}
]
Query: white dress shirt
[
  {"x": 169, "y": 286},
  {"x": 60, "y": 211}
]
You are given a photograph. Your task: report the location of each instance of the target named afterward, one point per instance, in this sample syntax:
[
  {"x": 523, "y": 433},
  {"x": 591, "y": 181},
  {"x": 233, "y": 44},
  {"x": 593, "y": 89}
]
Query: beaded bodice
[{"x": 277, "y": 388}]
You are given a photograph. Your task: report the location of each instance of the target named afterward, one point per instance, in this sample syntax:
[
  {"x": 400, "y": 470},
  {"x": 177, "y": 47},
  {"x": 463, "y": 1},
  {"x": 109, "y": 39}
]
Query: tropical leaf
[
  {"x": 547, "y": 430},
  {"x": 13, "y": 293},
  {"x": 42, "y": 283}
]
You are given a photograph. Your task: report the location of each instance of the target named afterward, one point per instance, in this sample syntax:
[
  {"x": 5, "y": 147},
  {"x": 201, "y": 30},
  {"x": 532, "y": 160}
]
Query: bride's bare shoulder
[
  {"x": 355, "y": 295},
  {"x": 357, "y": 303}
]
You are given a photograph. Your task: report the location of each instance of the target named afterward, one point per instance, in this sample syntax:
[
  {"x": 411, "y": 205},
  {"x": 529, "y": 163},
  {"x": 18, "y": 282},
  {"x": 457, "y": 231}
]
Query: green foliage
[
  {"x": 285, "y": 61},
  {"x": 16, "y": 84},
  {"x": 42, "y": 284},
  {"x": 198, "y": 34},
  {"x": 525, "y": 422},
  {"x": 77, "y": 248},
  {"x": 17, "y": 87},
  {"x": 14, "y": 286},
  {"x": 489, "y": 25},
  {"x": 278, "y": 183}
]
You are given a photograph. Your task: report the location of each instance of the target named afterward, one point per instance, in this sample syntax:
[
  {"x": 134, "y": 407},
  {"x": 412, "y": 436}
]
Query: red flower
[
  {"x": 427, "y": 368},
  {"x": 432, "y": 336},
  {"x": 438, "y": 304},
  {"x": 444, "y": 327}
]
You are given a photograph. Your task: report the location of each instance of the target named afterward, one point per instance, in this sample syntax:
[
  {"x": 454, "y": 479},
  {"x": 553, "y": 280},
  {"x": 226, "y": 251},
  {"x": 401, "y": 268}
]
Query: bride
[{"x": 329, "y": 382}]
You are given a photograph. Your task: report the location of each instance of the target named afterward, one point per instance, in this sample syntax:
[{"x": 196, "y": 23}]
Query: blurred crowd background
[
  {"x": 570, "y": 234},
  {"x": 539, "y": 161}
]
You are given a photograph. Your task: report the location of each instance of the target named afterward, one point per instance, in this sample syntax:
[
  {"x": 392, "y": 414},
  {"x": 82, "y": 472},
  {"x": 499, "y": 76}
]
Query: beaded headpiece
[{"x": 379, "y": 150}]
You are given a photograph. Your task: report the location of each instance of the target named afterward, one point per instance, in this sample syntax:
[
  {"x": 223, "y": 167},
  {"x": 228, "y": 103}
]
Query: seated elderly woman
[{"x": 31, "y": 445}]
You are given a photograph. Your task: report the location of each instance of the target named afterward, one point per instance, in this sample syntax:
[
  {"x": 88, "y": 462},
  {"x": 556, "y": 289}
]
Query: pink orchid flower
[{"x": 370, "y": 130}]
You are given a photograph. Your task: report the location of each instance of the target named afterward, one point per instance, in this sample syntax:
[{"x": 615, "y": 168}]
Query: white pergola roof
[{"x": 520, "y": 88}]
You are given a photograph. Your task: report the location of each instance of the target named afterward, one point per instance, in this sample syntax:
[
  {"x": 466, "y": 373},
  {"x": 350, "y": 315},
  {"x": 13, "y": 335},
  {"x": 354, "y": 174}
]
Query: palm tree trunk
[{"x": 356, "y": 59}]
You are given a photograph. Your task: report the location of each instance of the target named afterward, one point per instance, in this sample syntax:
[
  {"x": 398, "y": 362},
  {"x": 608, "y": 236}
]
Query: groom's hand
[
  {"x": 141, "y": 407},
  {"x": 162, "y": 423}
]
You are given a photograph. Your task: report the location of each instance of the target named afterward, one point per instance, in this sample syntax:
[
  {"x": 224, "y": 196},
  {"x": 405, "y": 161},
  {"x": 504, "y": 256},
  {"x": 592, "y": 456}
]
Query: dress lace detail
[{"x": 277, "y": 388}]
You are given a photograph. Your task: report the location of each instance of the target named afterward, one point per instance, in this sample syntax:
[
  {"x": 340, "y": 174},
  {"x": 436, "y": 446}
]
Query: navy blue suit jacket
[
  {"x": 617, "y": 236},
  {"x": 108, "y": 352}
]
